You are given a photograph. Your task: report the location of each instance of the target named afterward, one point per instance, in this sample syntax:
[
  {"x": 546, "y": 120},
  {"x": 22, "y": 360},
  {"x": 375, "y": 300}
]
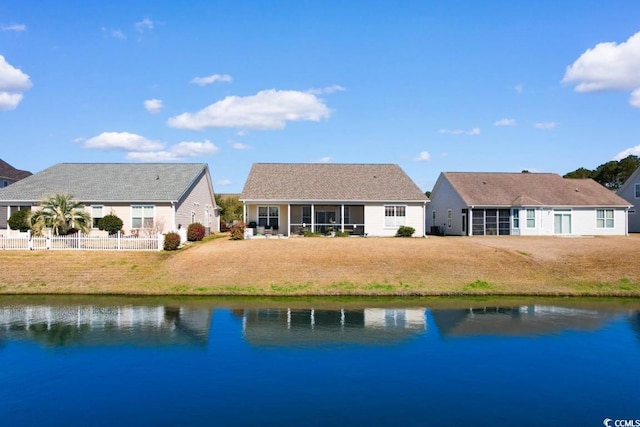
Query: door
[{"x": 562, "y": 222}]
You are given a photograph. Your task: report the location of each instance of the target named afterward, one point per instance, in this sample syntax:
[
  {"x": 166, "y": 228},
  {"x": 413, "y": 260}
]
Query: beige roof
[
  {"x": 330, "y": 182},
  {"x": 530, "y": 189}
]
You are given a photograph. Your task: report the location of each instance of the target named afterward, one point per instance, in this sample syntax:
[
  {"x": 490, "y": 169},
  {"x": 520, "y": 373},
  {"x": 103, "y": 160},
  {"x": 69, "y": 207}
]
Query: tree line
[{"x": 611, "y": 174}]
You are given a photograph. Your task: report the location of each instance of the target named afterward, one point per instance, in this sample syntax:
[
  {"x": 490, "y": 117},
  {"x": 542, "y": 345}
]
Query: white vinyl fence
[{"x": 79, "y": 241}]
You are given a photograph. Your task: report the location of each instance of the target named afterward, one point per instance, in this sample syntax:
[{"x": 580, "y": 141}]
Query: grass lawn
[{"x": 506, "y": 265}]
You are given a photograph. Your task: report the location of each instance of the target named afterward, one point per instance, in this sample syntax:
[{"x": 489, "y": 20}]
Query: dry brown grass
[{"x": 341, "y": 266}]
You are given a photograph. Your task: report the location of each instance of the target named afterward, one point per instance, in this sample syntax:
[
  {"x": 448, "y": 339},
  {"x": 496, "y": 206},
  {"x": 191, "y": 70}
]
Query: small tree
[
  {"x": 20, "y": 220},
  {"x": 110, "y": 223},
  {"x": 195, "y": 232},
  {"x": 62, "y": 214}
]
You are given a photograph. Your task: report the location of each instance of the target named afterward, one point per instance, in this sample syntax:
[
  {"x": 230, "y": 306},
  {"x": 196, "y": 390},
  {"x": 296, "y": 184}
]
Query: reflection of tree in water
[
  {"x": 634, "y": 320},
  {"x": 57, "y": 335}
]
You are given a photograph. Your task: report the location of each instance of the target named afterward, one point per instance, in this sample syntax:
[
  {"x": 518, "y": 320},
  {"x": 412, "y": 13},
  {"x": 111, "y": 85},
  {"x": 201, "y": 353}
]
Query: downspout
[{"x": 173, "y": 214}]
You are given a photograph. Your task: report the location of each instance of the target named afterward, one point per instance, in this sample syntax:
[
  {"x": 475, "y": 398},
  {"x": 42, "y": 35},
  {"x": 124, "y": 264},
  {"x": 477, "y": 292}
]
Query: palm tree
[{"x": 62, "y": 214}]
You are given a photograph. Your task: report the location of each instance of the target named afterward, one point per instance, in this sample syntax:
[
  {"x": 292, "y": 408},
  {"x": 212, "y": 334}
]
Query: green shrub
[
  {"x": 19, "y": 220},
  {"x": 195, "y": 232},
  {"x": 405, "y": 231},
  {"x": 171, "y": 241},
  {"x": 110, "y": 223},
  {"x": 342, "y": 234},
  {"x": 312, "y": 234},
  {"x": 237, "y": 230}
]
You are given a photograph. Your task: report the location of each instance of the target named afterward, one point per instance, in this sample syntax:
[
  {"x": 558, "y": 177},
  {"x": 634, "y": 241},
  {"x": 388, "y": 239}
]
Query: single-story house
[
  {"x": 147, "y": 197},
  {"x": 630, "y": 191},
  {"x": 9, "y": 174},
  {"x": 535, "y": 204},
  {"x": 362, "y": 199}
]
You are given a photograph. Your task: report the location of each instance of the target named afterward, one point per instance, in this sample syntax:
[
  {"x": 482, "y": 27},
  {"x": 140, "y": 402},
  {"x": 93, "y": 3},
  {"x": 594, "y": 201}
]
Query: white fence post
[
  {"x": 160, "y": 241},
  {"x": 118, "y": 240},
  {"x": 48, "y": 239},
  {"x": 29, "y": 241}
]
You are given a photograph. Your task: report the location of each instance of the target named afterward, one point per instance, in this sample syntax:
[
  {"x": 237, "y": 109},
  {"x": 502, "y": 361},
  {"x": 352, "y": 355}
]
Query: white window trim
[
  {"x": 604, "y": 218},
  {"x": 515, "y": 216},
  {"x": 449, "y": 218},
  {"x": 95, "y": 227},
  {"x": 396, "y": 222},
  {"x": 636, "y": 187},
  {"x": 153, "y": 216},
  {"x": 533, "y": 218}
]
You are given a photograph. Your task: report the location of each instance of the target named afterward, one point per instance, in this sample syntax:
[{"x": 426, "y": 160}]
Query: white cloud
[
  {"x": 505, "y": 122},
  {"x": 629, "y": 151},
  {"x": 193, "y": 149},
  {"x": 634, "y": 99},
  {"x": 328, "y": 90},
  {"x": 608, "y": 66},
  {"x": 545, "y": 125},
  {"x": 268, "y": 109},
  {"x": 240, "y": 146},
  {"x": 423, "y": 156},
  {"x": 203, "y": 81},
  {"x": 12, "y": 83},
  {"x": 472, "y": 132},
  {"x": 326, "y": 159},
  {"x": 144, "y": 25},
  {"x": 153, "y": 105},
  {"x": 13, "y": 27},
  {"x": 113, "y": 33},
  {"x": 123, "y": 141},
  {"x": 519, "y": 88},
  {"x": 224, "y": 182}
]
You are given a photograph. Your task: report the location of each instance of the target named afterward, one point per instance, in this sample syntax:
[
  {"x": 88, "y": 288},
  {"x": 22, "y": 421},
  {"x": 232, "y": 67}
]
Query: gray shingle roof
[
  {"x": 94, "y": 182},
  {"x": 330, "y": 182},
  {"x": 530, "y": 189}
]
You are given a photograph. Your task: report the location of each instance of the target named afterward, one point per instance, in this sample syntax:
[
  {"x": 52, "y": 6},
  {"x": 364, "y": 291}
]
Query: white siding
[
  {"x": 374, "y": 216},
  {"x": 443, "y": 198}
]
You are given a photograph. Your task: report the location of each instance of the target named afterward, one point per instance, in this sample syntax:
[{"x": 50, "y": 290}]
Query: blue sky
[{"x": 433, "y": 86}]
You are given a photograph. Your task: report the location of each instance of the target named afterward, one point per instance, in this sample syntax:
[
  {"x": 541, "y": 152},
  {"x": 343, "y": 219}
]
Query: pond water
[{"x": 446, "y": 362}]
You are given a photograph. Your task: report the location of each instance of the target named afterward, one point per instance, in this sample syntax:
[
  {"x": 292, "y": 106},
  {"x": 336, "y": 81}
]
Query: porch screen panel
[
  {"x": 504, "y": 222},
  {"x": 477, "y": 225},
  {"x": 491, "y": 222}
]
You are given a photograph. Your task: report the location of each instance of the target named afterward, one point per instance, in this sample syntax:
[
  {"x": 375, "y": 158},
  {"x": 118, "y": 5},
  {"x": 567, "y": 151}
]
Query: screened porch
[{"x": 325, "y": 219}]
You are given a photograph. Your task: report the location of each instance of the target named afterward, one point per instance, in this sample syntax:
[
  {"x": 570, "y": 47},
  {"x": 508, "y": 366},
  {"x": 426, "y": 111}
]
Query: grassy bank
[{"x": 601, "y": 266}]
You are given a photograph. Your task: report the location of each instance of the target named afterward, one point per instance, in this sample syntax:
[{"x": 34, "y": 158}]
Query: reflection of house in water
[
  {"x": 516, "y": 321},
  {"x": 105, "y": 325},
  {"x": 310, "y": 327}
]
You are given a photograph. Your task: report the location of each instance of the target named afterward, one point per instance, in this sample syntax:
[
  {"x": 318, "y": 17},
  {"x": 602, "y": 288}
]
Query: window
[
  {"x": 142, "y": 216},
  {"x": 531, "y": 218},
  {"x": 306, "y": 214},
  {"x": 637, "y": 191},
  {"x": 268, "y": 216},
  {"x": 6, "y": 184},
  {"x": 604, "y": 218},
  {"x": 516, "y": 218},
  {"x": 394, "y": 216},
  {"x": 433, "y": 217},
  {"x": 449, "y": 218},
  {"x": 96, "y": 215}
]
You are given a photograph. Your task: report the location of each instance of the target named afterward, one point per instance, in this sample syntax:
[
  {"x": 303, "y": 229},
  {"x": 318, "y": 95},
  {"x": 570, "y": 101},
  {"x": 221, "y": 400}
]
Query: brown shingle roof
[
  {"x": 330, "y": 182},
  {"x": 530, "y": 189},
  {"x": 9, "y": 172}
]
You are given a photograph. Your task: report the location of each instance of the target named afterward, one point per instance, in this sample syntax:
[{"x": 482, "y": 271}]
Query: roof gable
[
  {"x": 530, "y": 189},
  {"x": 116, "y": 182},
  {"x": 9, "y": 172},
  {"x": 330, "y": 182}
]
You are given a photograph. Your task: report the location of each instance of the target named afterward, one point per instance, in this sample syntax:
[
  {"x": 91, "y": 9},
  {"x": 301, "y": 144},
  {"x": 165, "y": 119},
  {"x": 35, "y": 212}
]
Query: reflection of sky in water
[{"x": 161, "y": 365}]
